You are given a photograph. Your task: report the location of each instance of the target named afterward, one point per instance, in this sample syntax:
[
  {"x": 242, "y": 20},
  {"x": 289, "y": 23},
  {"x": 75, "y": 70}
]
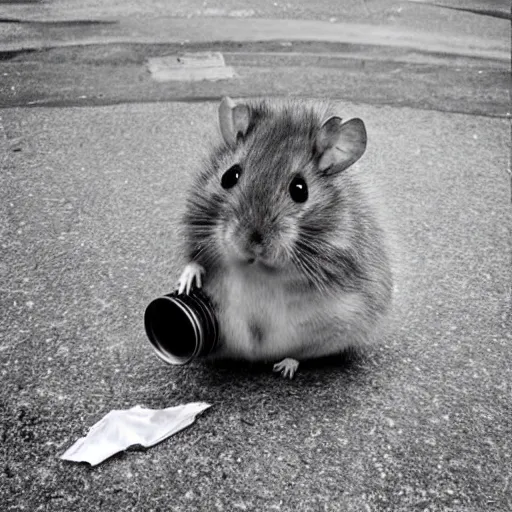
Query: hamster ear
[
  {"x": 233, "y": 120},
  {"x": 340, "y": 145}
]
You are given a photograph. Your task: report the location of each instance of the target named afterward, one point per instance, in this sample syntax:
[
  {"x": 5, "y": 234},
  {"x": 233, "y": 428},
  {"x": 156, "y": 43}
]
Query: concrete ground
[{"x": 89, "y": 200}]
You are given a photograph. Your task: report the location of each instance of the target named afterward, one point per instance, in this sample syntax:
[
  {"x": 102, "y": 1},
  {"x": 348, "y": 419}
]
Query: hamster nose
[{"x": 256, "y": 237}]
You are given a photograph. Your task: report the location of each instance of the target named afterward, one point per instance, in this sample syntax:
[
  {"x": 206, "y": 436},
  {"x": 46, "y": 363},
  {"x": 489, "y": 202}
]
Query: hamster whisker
[
  {"x": 306, "y": 265},
  {"x": 201, "y": 231},
  {"x": 208, "y": 254}
]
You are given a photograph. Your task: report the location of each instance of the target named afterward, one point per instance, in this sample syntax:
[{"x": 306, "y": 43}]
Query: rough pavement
[{"x": 88, "y": 208}]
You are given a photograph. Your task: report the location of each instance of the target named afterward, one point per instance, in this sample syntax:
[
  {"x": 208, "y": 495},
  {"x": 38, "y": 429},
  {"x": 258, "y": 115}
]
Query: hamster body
[{"x": 283, "y": 237}]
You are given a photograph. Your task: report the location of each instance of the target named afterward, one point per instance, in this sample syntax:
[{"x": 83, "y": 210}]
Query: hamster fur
[{"x": 283, "y": 234}]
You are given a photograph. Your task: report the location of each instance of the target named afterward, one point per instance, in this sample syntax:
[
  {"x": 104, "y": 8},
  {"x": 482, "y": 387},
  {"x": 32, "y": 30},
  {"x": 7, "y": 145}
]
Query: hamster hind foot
[
  {"x": 191, "y": 272},
  {"x": 287, "y": 367}
]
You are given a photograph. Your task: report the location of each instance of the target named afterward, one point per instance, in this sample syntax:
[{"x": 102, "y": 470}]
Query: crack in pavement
[{"x": 58, "y": 23}]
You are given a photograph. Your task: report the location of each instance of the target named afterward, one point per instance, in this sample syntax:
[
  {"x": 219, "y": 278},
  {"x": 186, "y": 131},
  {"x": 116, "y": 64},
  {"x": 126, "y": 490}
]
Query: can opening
[{"x": 171, "y": 330}]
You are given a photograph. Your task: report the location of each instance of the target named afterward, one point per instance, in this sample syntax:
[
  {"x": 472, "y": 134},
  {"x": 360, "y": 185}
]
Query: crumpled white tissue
[{"x": 121, "y": 429}]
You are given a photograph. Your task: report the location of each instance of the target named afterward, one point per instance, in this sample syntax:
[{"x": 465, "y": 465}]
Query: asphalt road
[{"x": 88, "y": 208}]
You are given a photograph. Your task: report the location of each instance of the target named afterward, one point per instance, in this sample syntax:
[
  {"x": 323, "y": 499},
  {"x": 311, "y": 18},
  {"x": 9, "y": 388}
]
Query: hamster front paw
[
  {"x": 191, "y": 272},
  {"x": 287, "y": 367}
]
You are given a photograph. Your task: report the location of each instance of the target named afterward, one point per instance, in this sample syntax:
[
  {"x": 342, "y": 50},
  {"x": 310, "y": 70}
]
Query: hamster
[{"x": 280, "y": 233}]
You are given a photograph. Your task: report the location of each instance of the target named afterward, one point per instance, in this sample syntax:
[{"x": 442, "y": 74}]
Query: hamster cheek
[
  {"x": 284, "y": 245},
  {"x": 226, "y": 236},
  {"x": 223, "y": 233}
]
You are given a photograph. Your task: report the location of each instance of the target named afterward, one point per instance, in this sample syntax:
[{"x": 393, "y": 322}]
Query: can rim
[{"x": 157, "y": 347}]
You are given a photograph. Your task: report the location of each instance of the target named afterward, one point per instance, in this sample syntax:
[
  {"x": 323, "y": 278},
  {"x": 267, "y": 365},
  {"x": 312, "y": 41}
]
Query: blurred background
[{"x": 448, "y": 55}]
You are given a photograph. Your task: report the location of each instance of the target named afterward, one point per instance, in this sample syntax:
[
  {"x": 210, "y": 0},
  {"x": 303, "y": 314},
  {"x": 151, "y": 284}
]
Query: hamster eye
[
  {"x": 298, "y": 190},
  {"x": 231, "y": 176}
]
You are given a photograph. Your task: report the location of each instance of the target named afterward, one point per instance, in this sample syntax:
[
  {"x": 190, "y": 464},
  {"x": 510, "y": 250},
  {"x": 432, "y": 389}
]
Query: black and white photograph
[{"x": 255, "y": 256}]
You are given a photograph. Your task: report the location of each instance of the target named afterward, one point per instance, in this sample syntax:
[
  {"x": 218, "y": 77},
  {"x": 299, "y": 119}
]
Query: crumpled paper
[{"x": 120, "y": 429}]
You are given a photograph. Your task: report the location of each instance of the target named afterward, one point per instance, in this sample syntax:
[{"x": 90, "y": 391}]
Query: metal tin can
[{"x": 181, "y": 327}]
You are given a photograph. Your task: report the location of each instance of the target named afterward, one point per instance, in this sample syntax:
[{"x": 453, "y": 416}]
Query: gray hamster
[{"x": 282, "y": 235}]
